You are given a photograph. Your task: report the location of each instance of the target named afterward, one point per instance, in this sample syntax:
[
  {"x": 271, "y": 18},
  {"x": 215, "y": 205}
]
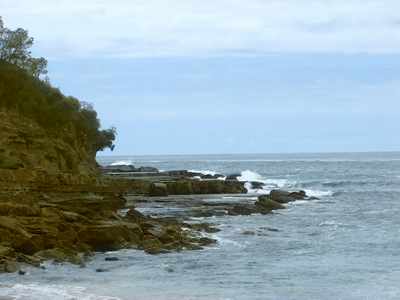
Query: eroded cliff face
[{"x": 30, "y": 153}]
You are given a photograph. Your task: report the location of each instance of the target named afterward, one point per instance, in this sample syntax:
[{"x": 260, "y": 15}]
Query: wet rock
[
  {"x": 180, "y": 187},
  {"x": 204, "y": 227},
  {"x": 147, "y": 169},
  {"x": 286, "y": 197},
  {"x": 205, "y": 241},
  {"x": 111, "y": 258},
  {"x": 119, "y": 168},
  {"x": 9, "y": 266},
  {"x": 135, "y": 216},
  {"x": 248, "y": 232},
  {"x": 158, "y": 189},
  {"x": 265, "y": 202},
  {"x": 61, "y": 255},
  {"x": 233, "y": 176},
  {"x": 21, "y": 272},
  {"x": 241, "y": 210},
  {"x": 152, "y": 246},
  {"x": 101, "y": 270},
  {"x": 109, "y": 236},
  {"x": 256, "y": 185}
]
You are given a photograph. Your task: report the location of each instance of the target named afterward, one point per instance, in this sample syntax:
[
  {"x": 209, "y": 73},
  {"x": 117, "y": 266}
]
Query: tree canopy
[
  {"x": 22, "y": 90},
  {"x": 15, "y": 48}
]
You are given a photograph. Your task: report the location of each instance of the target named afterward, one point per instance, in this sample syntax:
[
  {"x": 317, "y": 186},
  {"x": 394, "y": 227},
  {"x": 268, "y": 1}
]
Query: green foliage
[
  {"x": 58, "y": 114},
  {"x": 14, "y": 48}
]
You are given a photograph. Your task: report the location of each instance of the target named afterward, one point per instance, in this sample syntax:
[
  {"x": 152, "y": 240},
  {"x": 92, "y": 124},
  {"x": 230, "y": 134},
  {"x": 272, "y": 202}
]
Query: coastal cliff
[{"x": 54, "y": 203}]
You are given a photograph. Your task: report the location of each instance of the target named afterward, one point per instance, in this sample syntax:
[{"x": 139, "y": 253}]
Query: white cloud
[{"x": 207, "y": 27}]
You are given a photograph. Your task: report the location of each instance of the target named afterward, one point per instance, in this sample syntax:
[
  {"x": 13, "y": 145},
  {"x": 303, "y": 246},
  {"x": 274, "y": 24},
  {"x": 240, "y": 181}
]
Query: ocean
[{"x": 346, "y": 245}]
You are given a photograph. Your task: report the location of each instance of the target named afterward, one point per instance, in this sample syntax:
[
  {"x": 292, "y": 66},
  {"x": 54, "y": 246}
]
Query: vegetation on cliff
[{"x": 22, "y": 91}]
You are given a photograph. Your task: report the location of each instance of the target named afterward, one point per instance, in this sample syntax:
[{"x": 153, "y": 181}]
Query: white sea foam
[
  {"x": 44, "y": 292},
  {"x": 225, "y": 241},
  {"x": 318, "y": 194},
  {"x": 251, "y": 176},
  {"x": 204, "y": 172},
  {"x": 275, "y": 183},
  {"x": 122, "y": 163}
]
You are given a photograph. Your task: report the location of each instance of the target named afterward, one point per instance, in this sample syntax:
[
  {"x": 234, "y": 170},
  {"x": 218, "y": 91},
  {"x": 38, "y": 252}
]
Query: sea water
[{"x": 344, "y": 246}]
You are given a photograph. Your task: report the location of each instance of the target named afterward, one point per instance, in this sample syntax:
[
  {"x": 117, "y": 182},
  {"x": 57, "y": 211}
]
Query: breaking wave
[
  {"x": 275, "y": 183},
  {"x": 122, "y": 163}
]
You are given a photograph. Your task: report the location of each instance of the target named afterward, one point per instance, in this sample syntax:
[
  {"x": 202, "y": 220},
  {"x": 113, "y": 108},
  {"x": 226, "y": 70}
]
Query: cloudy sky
[{"x": 185, "y": 76}]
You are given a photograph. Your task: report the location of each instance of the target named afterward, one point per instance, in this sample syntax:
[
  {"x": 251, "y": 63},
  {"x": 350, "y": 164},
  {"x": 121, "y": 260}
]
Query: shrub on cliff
[{"x": 22, "y": 91}]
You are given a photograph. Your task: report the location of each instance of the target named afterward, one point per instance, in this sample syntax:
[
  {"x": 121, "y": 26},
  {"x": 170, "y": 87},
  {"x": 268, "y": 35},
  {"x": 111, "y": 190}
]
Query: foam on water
[
  {"x": 122, "y": 163},
  {"x": 50, "y": 292},
  {"x": 204, "y": 172},
  {"x": 275, "y": 183}
]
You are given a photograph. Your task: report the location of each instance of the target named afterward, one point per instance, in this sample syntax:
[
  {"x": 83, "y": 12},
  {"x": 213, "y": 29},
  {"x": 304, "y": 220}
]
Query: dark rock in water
[
  {"x": 298, "y": 195},
  {"x": 207, "y": 176},
  {"x": 101, "y": 270},
  {"x": 272, "y": 229},
  {"x": 158, "y": 189},
  {"x": 248, "y": 232},
  {"x": 286, "y": 197},
  {"x": 241, "y": 210},
  {"x": 257, "y": 185},
  {"x": 111, "y": 258},
  {"x": 21, "y": 272},
  {"x": 206, "y": 227},
  {"x": 204, "y": 241},
  {"x": 265, "y": 202},
  {"x": 180, "y": 173},
  {"x": 119, "y": 168},
  {"x": 147, "y": 169},
  {"x": 128, "y": 168},
  {"x": 210, "y": 176},
  {"x": 233, "y": 176}
]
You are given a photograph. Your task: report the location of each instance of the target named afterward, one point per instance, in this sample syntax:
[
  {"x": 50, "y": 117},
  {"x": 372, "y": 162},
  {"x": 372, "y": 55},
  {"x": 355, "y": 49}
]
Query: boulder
[
  {"x": 285, "y": 196},
  {"x": 265, "y": 202}
]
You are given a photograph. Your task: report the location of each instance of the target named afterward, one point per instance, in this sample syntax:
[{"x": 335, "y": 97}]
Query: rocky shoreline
[{"x": 70, "y": 222}]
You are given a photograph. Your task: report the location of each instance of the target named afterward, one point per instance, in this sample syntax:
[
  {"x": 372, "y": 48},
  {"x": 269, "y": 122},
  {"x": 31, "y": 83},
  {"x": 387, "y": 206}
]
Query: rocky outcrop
[
  {"x": 64, "y": 226},
  {"x": 286, "y": 197}
]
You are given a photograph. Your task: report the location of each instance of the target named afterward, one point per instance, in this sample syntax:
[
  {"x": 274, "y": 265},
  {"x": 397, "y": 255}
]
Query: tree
[{"x": 14, "y": 48}]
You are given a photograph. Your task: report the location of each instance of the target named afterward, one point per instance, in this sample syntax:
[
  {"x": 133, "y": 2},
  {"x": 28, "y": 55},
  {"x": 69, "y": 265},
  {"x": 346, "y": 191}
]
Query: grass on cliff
[{"x": 36, "y": 99}]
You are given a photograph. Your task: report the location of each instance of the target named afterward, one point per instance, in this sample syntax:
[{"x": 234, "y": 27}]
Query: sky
[{"x": 199, "y": 77}]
